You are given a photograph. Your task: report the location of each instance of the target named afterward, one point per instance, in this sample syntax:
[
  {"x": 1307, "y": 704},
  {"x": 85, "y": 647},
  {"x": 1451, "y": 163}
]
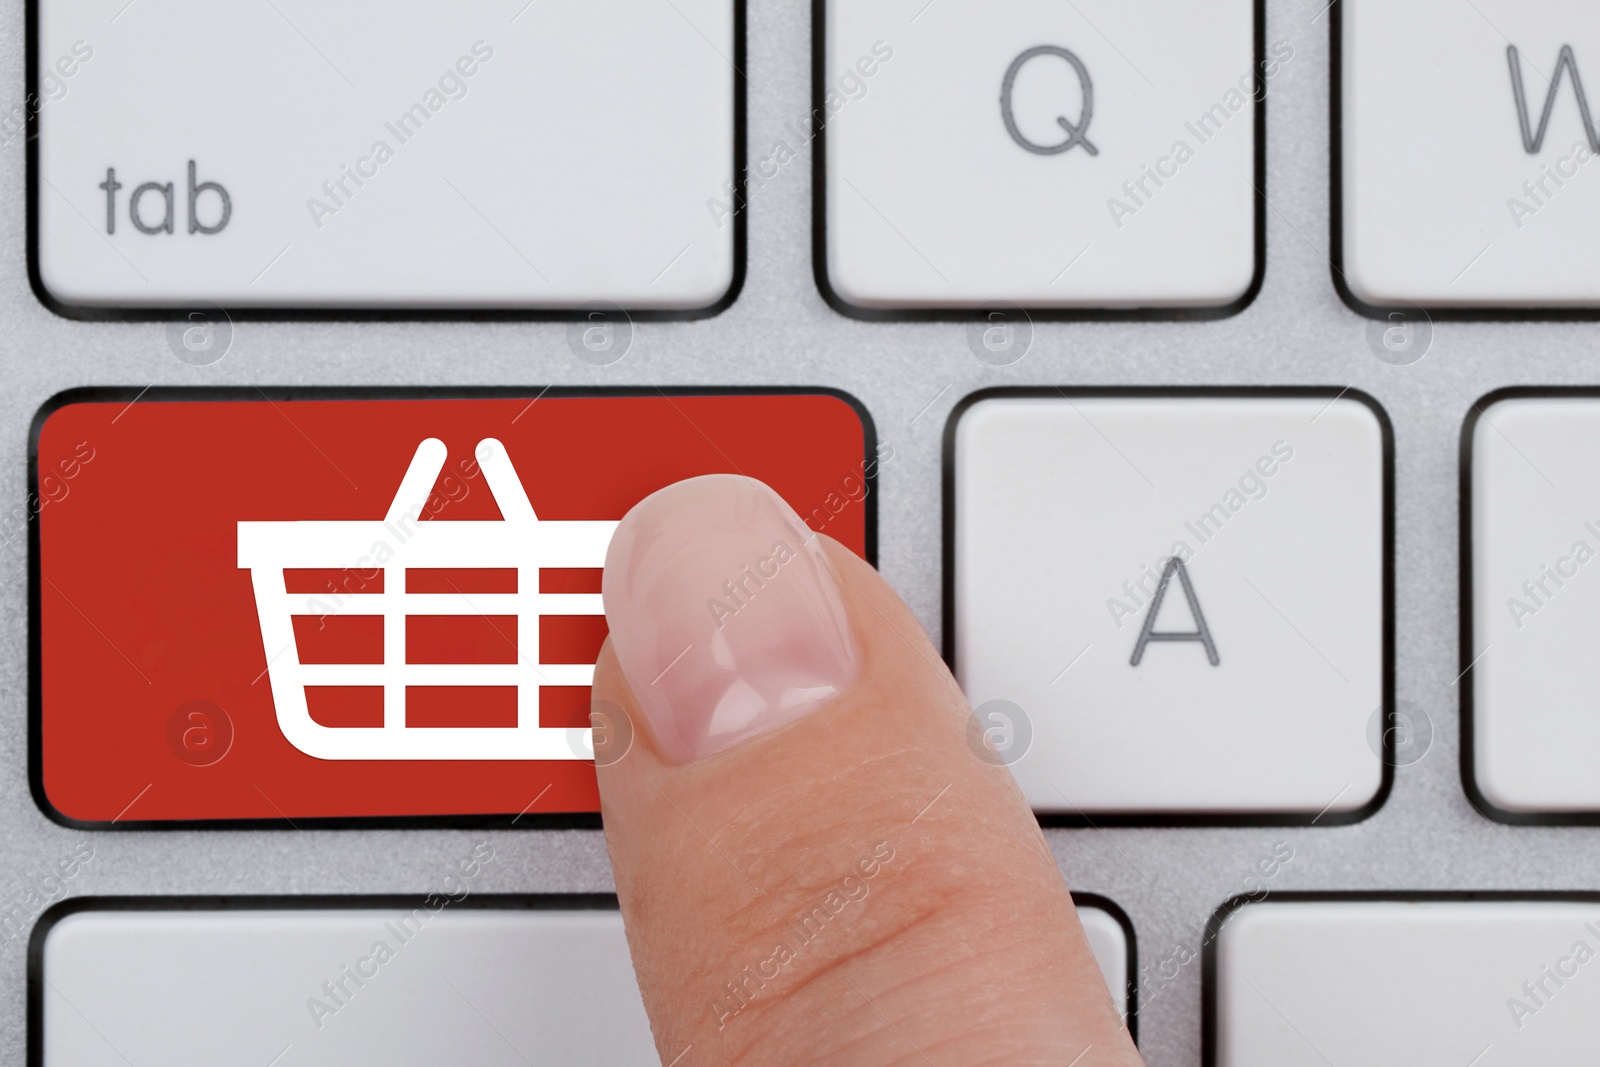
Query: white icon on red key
[{"x": 519, "y": 541}]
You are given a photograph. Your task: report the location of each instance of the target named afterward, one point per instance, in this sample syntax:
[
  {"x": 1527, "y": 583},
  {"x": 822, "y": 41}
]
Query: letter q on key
[{"x": 1077, "y": 133}]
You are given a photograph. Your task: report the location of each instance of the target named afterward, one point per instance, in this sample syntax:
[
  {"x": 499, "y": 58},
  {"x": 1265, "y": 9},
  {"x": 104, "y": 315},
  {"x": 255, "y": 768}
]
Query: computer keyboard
[{"x": 1214, "y": 381}]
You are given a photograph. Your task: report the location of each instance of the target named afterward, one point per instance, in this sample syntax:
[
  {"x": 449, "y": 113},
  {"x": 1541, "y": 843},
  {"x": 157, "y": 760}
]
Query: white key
[
  {"x": 1535, "y": 597},
  {"x": 1146, "y": 199},
  {"x": 1108, "y": 941},
  {"x": 188, "y": 988},
  {"x": 497, "y": 154},
  {"x": 1445, "y": 202},
  {"x": 1066, "y": 513},
  {"x": 1479, "y": 984}
]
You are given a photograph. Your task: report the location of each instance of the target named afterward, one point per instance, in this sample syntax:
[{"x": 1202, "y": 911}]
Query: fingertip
[
  {"x": 798, "y": 821},
  {"x": 726, "y": 619}
]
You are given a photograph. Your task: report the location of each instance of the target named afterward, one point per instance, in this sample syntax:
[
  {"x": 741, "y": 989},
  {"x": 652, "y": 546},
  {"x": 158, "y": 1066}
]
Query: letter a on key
[{"x": 1201, "y": 632}]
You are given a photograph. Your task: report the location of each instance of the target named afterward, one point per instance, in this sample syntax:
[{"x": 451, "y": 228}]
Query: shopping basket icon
[{"x": 518, "y": 541}]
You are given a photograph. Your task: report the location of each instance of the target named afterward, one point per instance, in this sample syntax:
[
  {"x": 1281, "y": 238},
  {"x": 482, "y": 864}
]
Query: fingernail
[{"x": 725, "y": 615}]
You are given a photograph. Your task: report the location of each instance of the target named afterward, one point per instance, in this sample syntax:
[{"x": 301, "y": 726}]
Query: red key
[{"x": 389, "y": 607}]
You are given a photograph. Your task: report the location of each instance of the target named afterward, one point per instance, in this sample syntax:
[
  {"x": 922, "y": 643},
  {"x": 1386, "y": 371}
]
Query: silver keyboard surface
[{"x": 910, "y": 375}]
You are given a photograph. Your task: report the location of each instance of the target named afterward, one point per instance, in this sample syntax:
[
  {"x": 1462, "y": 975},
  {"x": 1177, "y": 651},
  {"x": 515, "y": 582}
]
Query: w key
[{"x": 1469, "y": 180}]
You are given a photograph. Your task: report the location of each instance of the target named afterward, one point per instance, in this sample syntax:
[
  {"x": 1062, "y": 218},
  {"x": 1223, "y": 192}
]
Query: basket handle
[
  {"x": 504, "y": 485},
  {"x": 417, "y": 485}
]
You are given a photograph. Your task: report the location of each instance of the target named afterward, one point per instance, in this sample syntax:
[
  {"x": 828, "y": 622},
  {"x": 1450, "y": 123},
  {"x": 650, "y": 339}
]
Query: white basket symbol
[{"x": 517, "y": 541}]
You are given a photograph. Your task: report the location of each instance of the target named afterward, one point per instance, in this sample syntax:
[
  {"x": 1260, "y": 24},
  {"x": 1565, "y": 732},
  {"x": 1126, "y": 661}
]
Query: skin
[{"x": 962, "y": 949}]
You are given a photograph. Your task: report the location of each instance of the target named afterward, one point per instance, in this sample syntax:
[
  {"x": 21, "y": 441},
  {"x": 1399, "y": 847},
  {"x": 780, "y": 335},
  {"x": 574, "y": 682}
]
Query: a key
[
  {"x": 344, "y": 607},
  {"x": 1175, "y": 605},
  {"x": 406, "y": 983},
  {"x": 1089, "y": 155},
  {"x": 453, "y": 978},
  {"x": 1305, "y": 982},
  {"x": 1110, "y": 937},
  {"x": 1534, "y": 590},
  {"x": 1467, "y": 142},
  {"x": 504, "y": 155}
]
